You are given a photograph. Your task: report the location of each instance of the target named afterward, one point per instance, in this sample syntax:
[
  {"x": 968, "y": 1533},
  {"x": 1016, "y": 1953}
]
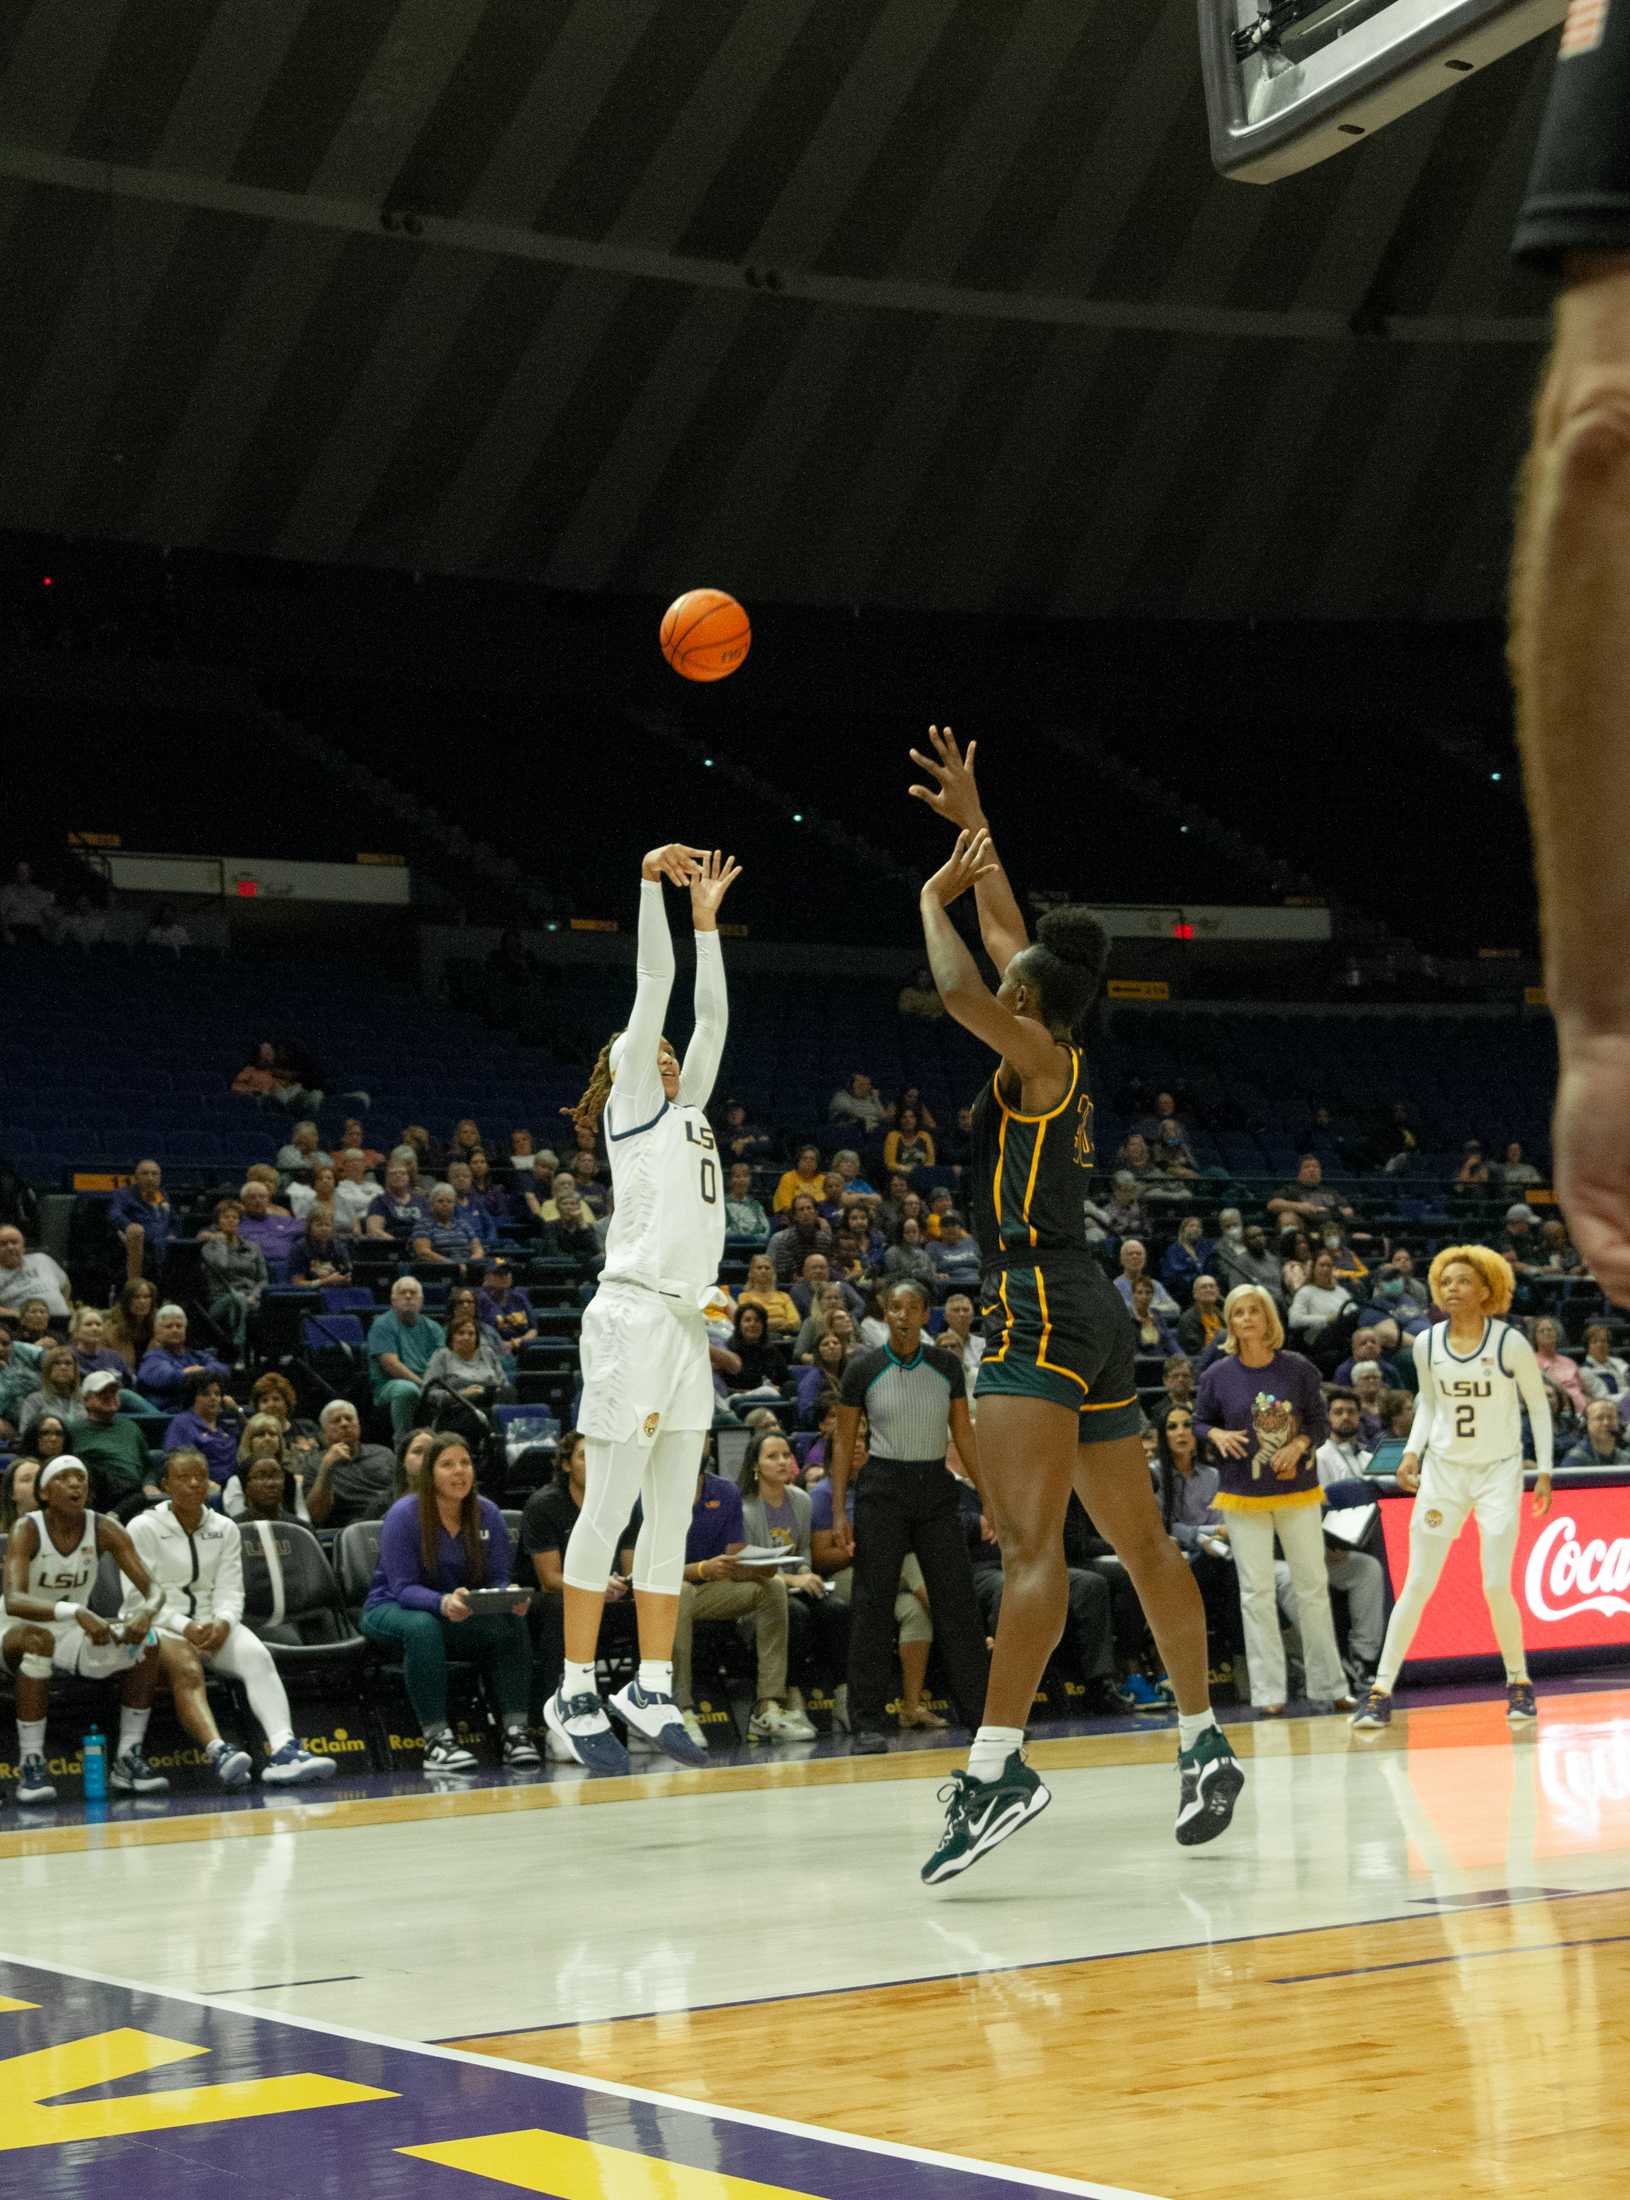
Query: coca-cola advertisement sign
[{"x": 1571, "y": 1579}]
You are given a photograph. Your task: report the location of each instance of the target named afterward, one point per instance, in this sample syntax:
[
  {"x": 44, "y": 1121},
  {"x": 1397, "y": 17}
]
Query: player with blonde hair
[{"x": 1476, "y": 1372}]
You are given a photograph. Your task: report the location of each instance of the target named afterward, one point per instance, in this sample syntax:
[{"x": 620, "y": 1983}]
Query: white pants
[
  {"x": 1301, "y": 1535},
  {"x": 244, "y": 1657}
]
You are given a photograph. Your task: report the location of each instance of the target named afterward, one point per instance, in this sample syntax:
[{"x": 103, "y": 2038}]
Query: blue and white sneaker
[
  {"x": 1520, "y": 1706},
  {"x": 1374, "y": 1712},
  {"x": 661, "y": 1721},
  {"x": 230, "y": 1766},
  {"x": 291, "y": 1765},
  {"x": 580, "y": 1722},
  {"x": 131, "y": 1774},
  {"x": 33, "y": 1782},
  {"x": 1145, "y": 1694}
]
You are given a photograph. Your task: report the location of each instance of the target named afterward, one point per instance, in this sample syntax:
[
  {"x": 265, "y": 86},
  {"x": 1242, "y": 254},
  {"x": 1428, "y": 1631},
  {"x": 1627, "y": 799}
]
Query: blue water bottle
[{"x": 96, "y": 1766}]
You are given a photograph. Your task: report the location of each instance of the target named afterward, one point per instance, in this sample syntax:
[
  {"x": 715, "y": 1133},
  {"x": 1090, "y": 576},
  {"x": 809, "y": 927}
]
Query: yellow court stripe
[{"x": 582, "y": 2169}]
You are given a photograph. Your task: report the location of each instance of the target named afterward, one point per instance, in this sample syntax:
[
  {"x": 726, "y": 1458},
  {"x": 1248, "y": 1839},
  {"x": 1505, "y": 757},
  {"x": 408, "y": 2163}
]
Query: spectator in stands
[
  {"x": 443, "y": 1237},
  {"x": 546, "y": 1529},
  {"x": 956, "y": 1255},
  {"x": 1242, "y": 1254},
  {"x": 319, "y": 1257},
  {"x": 19, "y": 1380},
  {"x": 803, "y": 1176},
  {"x": 398, "y": 1213},
  {"x": 1178, "y": 1376},
  {"x": 354, "y": 1138},
  {"x": 266, "y": 1077},
  {"x": 1187, "y": 1488},
  {"x": 1370, "y": 1388},
  {"x": 1309, "y": 1199},
  {"x": 1153, "y": 1335},
  {"x": 1473, "y": 1172},
  {"x": 522, "y": 1156},
  {"x": 262, "y": 1453},
  {"x": 1133, "y": 1155},
  {"x": 835, "y": 1347},
  {"x": 1554, "y": 1364},
  {"x": 28, "y": 911},
  {"x": 776, "y": 1515},
  {"x": 819, "y": 1304},
  {"x": 814, "y": 1275},
  {"x": 411, "y": 1449},
  {"x": 1135, "y": 1263},
  {"x": 301, "y": 1198},
  {"x": 84, "y": 927},
  {"x": 714, "y": 1586},
  {"x": 52, "y": 1436},
  {"x": 538, "y": 1202},
  {"x": 273, "y": 1393},
  {"x": 1295, "y": 1251},
  {"x": 113, "y": 1449},
  {"x": 752, "y": 1360},
  {"x": 59, "y": 1390},
  {"x": 1519, "y": 1242},
  {"x": 763, "y": 1289},
  {"x": 142, "y": 1220},
  {"x": 206, "y": 1425},
  {"x": 504, "y": 1307},
  {"x": 1173, "y": 1155},
  {"x": 859, "y": 1102},
  {"x": 425, "y": 1164},
  {"x": 1602, "y": 1374},
  {"x": 1261, "y": 1412},
  {"x": 959, "y": 1336},
  {"x": 400, "y": 1345},
  {"x": 1398, "y": 1412},
  {"x": 1412, "y": 1289},
  {"x": 31, "y": 1328},
  {"x": 803, "y": 1234},
  {"x": 847, "y": 1164},
  {"x": 744, "y": 1216},
  {"x": 1349, "y": 1267},
  {"x": 87, "y": 1332},
  {"x": 858, "y": 1222},
  {"x": 466, "y": 1140},
  {"x": 1344, "y": 1453},
  {"x": 354, "y": 1193},
  {"x": 920, "y": 998},
  {"x": 1123, "y": 1214},
  {"x": 302, "y": 1152},
  {"x": 1515, "y": 1172},
  {"x": 274, "y": 1229},
  {"x": 17, "y": 1492},
  {"x": 911, "y": 1255},
  {"x": 465, "y": 1212},
  {"x": 829, "y": 1200},
  {"x": 469, "y": 1366},
  {"x": 196, "y": 1559},
  {"x": 351, "y": 1480},
  {"x": 575, "y": 1234},
  {"x": 235, "y": 1272},
  {"x": 1201, "y": 1323},
  {"x": 908, "y": 1147},
  {"x": 1566, "y": 1423},
  {"x": 130, "y": 1324},
  {"x": 1319, "y": 1302},
  {"x": 1186, "y": 1255},
  {"x": 25, "y": 1275},
  {"x": 1603, "y": 1443},
  {"x": 1557, "y": 1254},
  {"x": 489, "y": 1200}
]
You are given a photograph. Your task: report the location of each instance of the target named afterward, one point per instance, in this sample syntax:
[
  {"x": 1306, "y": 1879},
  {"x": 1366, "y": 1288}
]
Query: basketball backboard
[{"x": 1289, "y": 82}]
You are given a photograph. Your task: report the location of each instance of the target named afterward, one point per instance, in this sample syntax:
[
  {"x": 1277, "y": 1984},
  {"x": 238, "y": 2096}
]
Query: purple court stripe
[
  {"x": 436, "y": 2095},
  {"x": 1472, "y": 1955}
]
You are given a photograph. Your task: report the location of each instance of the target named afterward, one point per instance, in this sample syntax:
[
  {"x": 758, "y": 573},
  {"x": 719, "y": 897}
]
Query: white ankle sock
[
  {"x": 656, "y": 1676},
  {"x": 31, "y": 1737},
  {"x": 578, "y": 1680},
  {"x": 1191, "y": 1725},
  {"x": 992, "y": 1747},
  {"x": 132, "y": 1729}
]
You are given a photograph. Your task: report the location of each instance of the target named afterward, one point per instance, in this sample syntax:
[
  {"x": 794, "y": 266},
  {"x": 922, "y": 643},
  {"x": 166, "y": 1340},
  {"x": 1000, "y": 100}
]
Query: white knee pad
[
  {"x": 668, "y": 1498},
  {"x": 33, "y": 1667}
]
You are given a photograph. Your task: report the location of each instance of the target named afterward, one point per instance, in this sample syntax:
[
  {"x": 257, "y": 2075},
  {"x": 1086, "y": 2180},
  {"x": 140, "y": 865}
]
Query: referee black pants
[{"x": 906, "y": 1505}]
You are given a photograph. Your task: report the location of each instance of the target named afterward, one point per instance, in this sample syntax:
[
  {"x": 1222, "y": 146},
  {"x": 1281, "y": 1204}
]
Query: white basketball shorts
[
  {"x": 72, "y": 1651},
  {"x": 1449, "y": 1492},
  {"x": 646, "y": 1371}
]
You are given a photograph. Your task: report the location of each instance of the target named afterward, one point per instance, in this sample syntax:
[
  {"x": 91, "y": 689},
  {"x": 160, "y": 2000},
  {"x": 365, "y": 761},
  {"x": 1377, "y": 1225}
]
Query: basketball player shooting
[
  {"x": 1570, "y": 622},
  {"x": 647, "y": 1400}
]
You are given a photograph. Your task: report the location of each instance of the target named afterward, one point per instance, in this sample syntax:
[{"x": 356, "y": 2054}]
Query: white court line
[{"x": 1042, "y": 2180}]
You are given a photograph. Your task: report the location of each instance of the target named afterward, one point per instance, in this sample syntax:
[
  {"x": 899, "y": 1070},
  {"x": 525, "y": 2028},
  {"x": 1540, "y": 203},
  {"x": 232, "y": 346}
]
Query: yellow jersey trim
[{"x": 1075, "y": 1073}]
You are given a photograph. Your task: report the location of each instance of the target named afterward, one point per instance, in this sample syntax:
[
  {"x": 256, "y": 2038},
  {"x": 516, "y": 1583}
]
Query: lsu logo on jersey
[{"x": 651, "y": 1420}]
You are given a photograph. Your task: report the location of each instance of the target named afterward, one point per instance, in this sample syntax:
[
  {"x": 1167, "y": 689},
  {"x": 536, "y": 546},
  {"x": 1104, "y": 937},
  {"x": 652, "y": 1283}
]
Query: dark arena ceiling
[{"x": 934, "y": 303}]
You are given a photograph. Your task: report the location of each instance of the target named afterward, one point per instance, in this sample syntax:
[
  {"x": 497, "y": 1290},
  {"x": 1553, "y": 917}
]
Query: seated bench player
[{"x": 51, "y": 1563}]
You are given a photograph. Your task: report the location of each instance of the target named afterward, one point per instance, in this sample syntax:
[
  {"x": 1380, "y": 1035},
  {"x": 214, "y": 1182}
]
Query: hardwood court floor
[{"x": 1403, "y": 1971}]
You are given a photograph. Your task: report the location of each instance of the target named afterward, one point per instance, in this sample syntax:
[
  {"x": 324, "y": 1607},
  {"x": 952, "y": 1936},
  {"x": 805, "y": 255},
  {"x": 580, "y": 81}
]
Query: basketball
[{"x": 706, "y": 634}]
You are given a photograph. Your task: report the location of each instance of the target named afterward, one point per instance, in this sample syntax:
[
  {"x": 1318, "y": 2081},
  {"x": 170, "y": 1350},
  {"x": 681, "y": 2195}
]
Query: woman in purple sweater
[
  {"x": 1260, "y": 1411},
  {"x": 434, "y": 1545}
]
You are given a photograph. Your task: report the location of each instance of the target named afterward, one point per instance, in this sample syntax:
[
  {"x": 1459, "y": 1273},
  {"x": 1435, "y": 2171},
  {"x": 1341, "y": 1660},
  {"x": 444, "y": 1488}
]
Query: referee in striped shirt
[{"x": 915, "y": 1400}]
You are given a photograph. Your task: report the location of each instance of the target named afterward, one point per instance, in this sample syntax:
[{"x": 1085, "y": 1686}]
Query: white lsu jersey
[
  {"x": 667, "y": 1224},
  {"x": 1469, "y": 1411},
  {"x": 57, "y": 1579}
]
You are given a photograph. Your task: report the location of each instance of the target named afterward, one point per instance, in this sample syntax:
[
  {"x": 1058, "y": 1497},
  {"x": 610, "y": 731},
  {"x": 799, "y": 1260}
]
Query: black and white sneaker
[
  {"x": 444, "y": 1757},
  {"x": 981, "y": 1813},
  {"x": 1209, "y": 1780},
  {"x": 131, "y": 1774},
  {"x": 580, "y": 1722},
  {"x": 520, "y": 1751},
  {"x": 34, "y": 1782}
]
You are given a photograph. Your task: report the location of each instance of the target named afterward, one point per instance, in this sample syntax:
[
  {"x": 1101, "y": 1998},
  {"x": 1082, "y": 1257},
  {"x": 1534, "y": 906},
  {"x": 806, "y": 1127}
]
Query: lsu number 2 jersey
[
  {"x": 667, "y": 1227},
  {"x": 1469, "y": 1409}
]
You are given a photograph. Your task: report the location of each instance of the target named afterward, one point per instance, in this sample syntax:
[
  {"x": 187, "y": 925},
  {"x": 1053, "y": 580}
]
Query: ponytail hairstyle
[
  {"x": 588, "y": 1111},
  {"x": 1066, "y": 967}
]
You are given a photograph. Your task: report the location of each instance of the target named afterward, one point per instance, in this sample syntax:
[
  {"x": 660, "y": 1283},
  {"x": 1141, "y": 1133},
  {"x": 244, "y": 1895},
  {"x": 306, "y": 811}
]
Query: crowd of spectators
[{"x": 169, "y": 1343}]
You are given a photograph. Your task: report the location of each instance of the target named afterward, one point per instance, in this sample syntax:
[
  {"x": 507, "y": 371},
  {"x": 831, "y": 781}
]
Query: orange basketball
[{"x": 706, "y": 634}]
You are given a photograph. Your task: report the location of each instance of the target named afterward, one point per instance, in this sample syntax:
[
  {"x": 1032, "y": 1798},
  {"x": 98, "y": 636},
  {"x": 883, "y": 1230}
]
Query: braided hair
[{"x": 588, "y": 1111}]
